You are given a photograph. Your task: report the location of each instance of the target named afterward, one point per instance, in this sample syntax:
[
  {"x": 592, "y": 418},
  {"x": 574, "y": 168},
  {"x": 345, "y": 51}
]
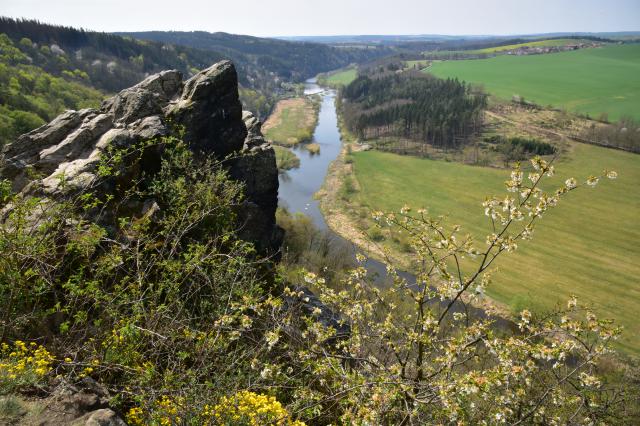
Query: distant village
[{"x": 537, "y": 50}]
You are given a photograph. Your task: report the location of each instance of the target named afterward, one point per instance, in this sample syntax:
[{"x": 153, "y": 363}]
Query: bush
[
  {"x": 286, "y": 159},
  {"x": 150, "y": 304},
  {"x": 182, "y": 322}
]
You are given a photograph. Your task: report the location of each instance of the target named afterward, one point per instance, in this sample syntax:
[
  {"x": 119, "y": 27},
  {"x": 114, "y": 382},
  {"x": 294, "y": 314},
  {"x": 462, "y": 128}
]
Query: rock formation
[{"x": 206, "y": 107}]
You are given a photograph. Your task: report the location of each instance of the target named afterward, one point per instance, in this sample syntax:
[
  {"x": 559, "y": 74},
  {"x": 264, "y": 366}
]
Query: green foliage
[
  {"x": 444, "y": 113},
  {"x": 29, "y": 96},
  {"x": 416, "y": 354},
  {"x": 285, "y": 158},
  {"x": 149, "y": 291},
  {"x": 580, "y": 245},
  {"x": 144, "y": 299},
  {"x": 518, "y": 148},
  {"x": 305, "y": 246}
]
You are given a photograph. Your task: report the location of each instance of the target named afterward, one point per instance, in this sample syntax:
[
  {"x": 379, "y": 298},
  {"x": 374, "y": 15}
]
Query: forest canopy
[{"x": 413, "y": 105}]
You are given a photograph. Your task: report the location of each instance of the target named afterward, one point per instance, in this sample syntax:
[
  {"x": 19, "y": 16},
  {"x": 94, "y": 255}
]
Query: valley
[{"x": 211, "y": 216}]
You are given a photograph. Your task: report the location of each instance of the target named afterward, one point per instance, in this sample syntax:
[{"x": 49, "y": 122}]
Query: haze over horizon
[{"x": 336, "y": 17}]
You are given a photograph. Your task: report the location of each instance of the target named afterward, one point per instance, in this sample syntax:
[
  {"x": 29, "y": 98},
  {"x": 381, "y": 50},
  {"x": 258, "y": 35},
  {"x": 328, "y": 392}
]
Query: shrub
[{"x": 149, "y": 302}]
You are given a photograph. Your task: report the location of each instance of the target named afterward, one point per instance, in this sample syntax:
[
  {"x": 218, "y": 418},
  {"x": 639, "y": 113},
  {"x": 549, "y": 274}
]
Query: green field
[
  {"x": 340, "y": 78},
  {"x": 589, "y": 81},
  {"x": 539, "y": 43},
  {"x": 292, "y": 122},
  {"x": 588, "y": 246}
]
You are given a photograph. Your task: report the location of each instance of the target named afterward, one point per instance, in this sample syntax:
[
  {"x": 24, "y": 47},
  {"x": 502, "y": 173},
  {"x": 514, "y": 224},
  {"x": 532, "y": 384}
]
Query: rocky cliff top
[{"x": 206, "y": 107}]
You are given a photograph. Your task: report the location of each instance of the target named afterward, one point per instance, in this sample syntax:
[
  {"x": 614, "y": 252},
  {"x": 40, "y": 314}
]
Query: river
[{"x": 298, "y": 186}]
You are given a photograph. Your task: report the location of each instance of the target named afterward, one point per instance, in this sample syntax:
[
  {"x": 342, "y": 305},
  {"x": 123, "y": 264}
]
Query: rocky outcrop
[
  {"x": 82, "y": 404},
  {"x": 206, "y": 109}
]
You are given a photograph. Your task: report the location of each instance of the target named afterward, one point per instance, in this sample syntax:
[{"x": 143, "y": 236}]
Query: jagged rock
[
  {"x": 145, "y": 98},
  {"x": 25, "y": 152},
  {"x": 257, "y": 169},
  {"x": 75, "y": 144},
  {"x": 206, "y": 107},
  {"x": 210, "y": 111},
  {"x": 254, "y": 133},
  {"x": 81, "y": 404}
]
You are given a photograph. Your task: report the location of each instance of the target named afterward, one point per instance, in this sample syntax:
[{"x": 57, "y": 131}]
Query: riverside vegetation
[
  {"x": 292, "y": 122},
  {"x": 175, "y": 317}
]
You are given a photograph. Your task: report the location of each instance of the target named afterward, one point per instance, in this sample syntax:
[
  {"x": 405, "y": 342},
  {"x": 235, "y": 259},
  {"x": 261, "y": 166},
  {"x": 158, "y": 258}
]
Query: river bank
[{"x": 345, "y": 217}]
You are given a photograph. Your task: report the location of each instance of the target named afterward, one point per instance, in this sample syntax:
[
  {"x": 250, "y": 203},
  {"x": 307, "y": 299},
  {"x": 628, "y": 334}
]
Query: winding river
[{"x": 298, "y": 186}]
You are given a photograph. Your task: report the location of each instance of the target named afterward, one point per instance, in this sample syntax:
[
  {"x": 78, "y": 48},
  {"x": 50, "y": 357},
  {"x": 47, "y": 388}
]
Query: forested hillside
[
  {"x": 110, "y": 62},
  {"x": 30, "y": 96},
  {"x": 79, "y": 60},
  {"x": 412, "y": 105},
  {"x": 291, "y": 61}
]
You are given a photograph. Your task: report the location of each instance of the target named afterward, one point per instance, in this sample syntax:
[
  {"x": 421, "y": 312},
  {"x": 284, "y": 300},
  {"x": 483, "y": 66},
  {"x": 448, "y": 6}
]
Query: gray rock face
[
  {"x": 206, "y": 107},
  {"x": 145, "y": 98},
  {"x": 210, "y": 111}
]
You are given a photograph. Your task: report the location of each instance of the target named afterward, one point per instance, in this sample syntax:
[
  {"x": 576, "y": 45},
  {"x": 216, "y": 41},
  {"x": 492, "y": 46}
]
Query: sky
[{"x": 270, "y": 18}]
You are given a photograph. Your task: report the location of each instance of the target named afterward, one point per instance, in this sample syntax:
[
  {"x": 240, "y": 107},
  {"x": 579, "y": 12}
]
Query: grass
[
  {"x": 292, "y": 122},
  {"x": 590, "y": 81},
  {"x": 339, "y": 78},
  {"x": 588, "y": 246},
  {"x": 313, "y": 148},
  {"x": 539, "y": 43},
  {"x": 285, "y": 158}
]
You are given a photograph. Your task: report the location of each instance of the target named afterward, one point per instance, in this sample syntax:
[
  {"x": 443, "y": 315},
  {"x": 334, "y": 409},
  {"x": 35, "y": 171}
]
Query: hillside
[
  {"x": 588, "y": 81},
  {"x": 291, "y": 61}
]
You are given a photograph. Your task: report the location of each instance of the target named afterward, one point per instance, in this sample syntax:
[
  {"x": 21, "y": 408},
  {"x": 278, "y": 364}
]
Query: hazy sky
[{"x": 331, "y": 17}]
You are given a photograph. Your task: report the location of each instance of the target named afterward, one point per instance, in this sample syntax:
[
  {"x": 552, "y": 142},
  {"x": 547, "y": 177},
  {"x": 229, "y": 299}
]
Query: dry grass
[{"x": 292, "y": 122}]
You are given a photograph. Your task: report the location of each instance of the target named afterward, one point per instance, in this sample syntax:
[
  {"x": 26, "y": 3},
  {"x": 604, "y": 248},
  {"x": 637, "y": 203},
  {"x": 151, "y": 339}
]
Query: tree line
[{"x": 413, "y": 105}]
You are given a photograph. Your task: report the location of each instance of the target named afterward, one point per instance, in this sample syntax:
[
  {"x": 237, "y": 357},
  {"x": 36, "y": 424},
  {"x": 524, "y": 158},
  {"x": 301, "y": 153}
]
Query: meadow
[
  {"x": 292, "y": 122},
  {"x": 338, "y": 78},
  {"x": 589, "y": 81},
  {"x": 285, "y": 158},
  {"x": 588, "y": 246}
]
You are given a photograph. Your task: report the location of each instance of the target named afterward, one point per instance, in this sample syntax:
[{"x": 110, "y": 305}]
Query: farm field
[
  {"x": 292, "y": 122},
  {"x": 340, "y": 78},
  {"x": 590, "y": 81},
  {"x": 539, "y": 43},
  {"x": 577, "y": 247}
]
